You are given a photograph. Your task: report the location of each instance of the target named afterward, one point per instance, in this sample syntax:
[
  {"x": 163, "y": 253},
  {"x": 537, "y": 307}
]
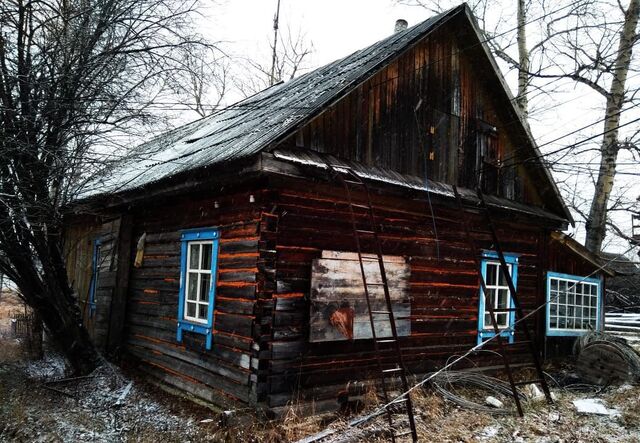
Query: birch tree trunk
[
  {"x": 596, "y": 223},
  {"x": 523, "y": 58}
]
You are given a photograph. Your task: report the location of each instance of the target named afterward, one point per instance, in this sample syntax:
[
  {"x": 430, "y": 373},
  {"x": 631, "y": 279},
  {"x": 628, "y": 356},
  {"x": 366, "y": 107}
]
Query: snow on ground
[
  {"x": 38, "y": 404},
  {"x": 42, "y": 406}
]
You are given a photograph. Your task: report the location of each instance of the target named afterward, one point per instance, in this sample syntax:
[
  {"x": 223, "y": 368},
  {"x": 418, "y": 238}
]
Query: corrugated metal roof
[{"x": 251, "y": 125}]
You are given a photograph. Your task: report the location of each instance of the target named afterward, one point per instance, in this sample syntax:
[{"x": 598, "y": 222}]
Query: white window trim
[
  {"x": 190, "y": 271},
  {"x": 505, "y": 315},
  {"x": 571, "y": 279}
]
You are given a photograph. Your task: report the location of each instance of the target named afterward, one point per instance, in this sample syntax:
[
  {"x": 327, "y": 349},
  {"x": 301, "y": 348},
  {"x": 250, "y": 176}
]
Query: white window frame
[
  {"x": 569, "y": 302},
  {"x": 486, "y": 331},
  {"x": 199, "y": 272},
  {"x": 494, "y": 289}
]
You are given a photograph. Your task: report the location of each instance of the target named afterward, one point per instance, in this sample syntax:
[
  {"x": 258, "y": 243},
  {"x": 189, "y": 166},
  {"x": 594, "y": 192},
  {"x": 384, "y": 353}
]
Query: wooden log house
[{"x": 220, "y": 257}]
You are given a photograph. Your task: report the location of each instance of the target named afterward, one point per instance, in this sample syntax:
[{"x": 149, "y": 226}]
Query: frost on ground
[{"x": 40, "y": 405}]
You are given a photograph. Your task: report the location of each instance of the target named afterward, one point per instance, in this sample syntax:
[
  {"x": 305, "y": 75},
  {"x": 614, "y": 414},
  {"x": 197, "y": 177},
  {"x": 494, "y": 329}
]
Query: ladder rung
[
  {"x": 386, "y": 371},
  {"x": 528, "y": 382}
]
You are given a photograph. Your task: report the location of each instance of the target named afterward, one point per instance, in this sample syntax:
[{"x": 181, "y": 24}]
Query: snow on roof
[{"x": 314, "y": 159}]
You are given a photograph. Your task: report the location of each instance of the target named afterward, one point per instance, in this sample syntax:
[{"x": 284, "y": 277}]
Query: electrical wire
[{"x": 442, "y": 382}]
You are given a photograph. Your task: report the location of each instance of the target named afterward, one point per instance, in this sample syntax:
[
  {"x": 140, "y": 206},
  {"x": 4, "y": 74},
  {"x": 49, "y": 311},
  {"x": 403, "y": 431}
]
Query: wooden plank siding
[
  {"x": 428, "y": 113},
  {"x": 79, "y": 248},
  {"x": 443, "y": 290}
]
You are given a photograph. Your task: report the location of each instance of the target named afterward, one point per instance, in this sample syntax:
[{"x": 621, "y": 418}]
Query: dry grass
[
  {"x": 438, "y": 418},
  {"x": 9, "y": 303}
]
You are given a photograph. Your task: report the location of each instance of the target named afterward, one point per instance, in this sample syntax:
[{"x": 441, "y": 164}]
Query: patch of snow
[
  {"x": 494, "y": 402},
  {"x": 533, "y": 392},
  {"x": 489, "y": 432},
  {"x": 594, "y": 406},
  {"x": 50, "y": 367}
]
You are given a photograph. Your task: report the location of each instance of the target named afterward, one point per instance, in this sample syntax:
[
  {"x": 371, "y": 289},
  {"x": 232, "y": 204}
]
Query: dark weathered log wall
[
  {"x": 444, "y": 290},
  {"x": 226, "y": 374}
]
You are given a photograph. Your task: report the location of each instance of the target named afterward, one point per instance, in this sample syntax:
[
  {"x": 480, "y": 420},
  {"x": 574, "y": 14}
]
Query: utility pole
[{"x": 276, "y": 19}]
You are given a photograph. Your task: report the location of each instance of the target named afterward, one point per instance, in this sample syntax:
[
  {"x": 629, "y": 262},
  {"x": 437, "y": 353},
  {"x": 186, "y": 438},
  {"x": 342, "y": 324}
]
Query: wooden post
[{"x": 119, "y": 300}]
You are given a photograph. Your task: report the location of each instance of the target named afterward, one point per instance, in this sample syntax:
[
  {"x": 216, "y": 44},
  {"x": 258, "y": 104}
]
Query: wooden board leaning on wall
[{"x": 338, "y": 305}]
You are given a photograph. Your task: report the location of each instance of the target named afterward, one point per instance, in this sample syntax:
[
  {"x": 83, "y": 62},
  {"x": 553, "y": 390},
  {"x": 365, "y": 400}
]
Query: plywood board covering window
[{"x": 338, "y": 304}]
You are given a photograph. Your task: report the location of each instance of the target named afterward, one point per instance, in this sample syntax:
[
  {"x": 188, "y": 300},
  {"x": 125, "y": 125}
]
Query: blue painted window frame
[
  {"x": 486, "y": 331},
  {"x": 571, "y": 332},
  {"x": 93, "y": 285},
  {"x": 206, "y": 329}
]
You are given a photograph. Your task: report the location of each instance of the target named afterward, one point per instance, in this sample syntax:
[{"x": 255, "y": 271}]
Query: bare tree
[
  {"x": 289, "y": 59},
  {"x": 615, "y": 97},
  {"x": 204, "y": 82},
  {"x": 74, "y": 74}
]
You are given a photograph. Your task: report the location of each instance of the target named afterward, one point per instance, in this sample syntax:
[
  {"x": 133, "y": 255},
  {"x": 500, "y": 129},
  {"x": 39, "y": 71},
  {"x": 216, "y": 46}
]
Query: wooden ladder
[
  {"x": 351, "y": 181},
  {"x": 520, "y": 319}
]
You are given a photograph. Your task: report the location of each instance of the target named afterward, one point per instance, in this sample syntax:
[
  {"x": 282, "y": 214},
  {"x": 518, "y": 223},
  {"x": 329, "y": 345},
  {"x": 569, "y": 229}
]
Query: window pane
[
  {"x": 205, "y": 263},
  {"x": 562, "y": 311},
  {"x": 554, "y": 284},
  {"x": 562, "y": 300},
  {"x": 491, "y": 274},
  {"x": 194, "y": 253},
  {"x": 192, "y": 288},
  {"x": 562, "y": 286},
  {"x": 205, "y": 286},
  {"x": 502, "y": 279},
  {"x": 191, "y": 309},
  {"x": 491, "y": 299},
  {"x": 503, "y": 298},
  {"x": 202, "y": 311}
]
